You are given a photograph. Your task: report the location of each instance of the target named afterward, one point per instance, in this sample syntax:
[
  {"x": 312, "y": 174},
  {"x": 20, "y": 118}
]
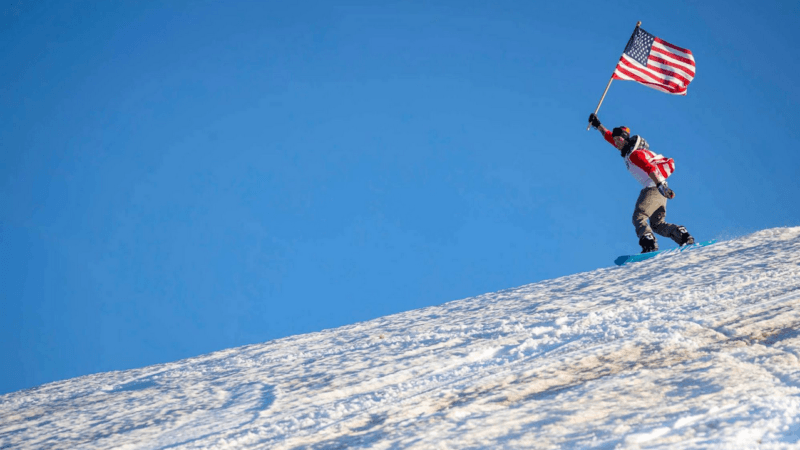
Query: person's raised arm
[{"x": 594, "y": 121}]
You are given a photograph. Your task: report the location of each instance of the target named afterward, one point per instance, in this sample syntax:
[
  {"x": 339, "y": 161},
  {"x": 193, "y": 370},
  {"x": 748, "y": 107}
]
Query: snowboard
[{"x": 625, "y": 259}]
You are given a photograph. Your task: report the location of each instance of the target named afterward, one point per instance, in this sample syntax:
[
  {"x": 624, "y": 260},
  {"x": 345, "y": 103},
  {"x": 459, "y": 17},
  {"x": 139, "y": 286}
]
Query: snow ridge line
[{"x": 502, "y": 368}]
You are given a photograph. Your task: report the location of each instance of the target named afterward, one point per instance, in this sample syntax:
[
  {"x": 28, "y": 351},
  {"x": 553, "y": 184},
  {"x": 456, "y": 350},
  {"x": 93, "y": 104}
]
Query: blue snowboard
[{"x": 622, "y": 260}]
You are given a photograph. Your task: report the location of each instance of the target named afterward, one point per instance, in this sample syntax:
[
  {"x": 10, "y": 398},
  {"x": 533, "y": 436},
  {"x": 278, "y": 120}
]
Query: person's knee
[{"x": 658, "y": 217}]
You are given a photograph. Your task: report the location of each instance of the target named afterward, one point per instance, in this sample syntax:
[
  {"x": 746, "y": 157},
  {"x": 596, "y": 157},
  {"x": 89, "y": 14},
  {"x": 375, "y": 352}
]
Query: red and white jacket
[{"x": 641, "y": 162}]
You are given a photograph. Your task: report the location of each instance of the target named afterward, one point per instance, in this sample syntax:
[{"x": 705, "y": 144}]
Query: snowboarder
[{"x": 651, "y": 170}]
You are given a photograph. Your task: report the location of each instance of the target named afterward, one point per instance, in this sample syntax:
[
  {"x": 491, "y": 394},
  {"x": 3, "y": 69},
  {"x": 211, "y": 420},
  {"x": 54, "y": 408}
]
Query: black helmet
[{"x": 621, "y": 131}]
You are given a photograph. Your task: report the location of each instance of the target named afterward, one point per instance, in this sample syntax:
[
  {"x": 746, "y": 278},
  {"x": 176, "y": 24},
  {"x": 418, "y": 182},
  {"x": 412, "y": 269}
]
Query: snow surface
[{"x": 691, "y": 350}]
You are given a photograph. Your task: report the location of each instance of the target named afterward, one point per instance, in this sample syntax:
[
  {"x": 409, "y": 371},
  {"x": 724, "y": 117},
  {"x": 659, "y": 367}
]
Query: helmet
[{"x": 621, "y": 131}]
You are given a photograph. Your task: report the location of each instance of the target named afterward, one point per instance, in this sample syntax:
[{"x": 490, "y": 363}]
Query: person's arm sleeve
[
  {"x": 607, "y": 136},
  {"x": 638, "y": 159}
]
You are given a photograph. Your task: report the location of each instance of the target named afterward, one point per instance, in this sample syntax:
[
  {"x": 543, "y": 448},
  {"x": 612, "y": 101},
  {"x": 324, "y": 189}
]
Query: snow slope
[{"x": 691, "y": 350}]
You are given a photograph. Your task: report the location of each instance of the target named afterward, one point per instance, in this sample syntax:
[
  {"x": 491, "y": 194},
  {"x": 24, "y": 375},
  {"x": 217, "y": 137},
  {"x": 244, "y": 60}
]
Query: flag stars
[{"x": 639, "y": 46}]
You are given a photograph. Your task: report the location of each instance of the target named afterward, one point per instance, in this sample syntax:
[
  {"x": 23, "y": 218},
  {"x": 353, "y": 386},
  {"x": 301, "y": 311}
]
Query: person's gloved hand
[
  {"x": 665, "y": 190},
  {"x": 593, "y": 120}
]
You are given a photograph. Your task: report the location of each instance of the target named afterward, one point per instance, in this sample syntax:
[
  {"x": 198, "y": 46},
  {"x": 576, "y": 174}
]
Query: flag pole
[{"x": 589, "y": 127}]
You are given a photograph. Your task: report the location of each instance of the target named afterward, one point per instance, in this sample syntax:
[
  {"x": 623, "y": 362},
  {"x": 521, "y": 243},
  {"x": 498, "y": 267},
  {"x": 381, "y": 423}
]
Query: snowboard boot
[
  {"x": 685, "y": 238},
  {"x": 648, "y": 243}
]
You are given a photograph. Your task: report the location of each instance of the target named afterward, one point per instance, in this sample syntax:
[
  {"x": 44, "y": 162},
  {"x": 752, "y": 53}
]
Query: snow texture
[{"x": 690, "y": 350}]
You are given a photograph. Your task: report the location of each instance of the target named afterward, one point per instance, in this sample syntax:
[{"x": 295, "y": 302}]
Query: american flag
[{"x": 656, "y": 63}]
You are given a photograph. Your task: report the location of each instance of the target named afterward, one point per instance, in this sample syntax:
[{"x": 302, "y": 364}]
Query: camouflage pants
[{"x": 652, "y": 206}]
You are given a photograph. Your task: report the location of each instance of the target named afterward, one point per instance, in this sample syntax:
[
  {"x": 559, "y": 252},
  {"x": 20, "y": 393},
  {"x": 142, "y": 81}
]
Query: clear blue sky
[{"x": 193, "y": 176}]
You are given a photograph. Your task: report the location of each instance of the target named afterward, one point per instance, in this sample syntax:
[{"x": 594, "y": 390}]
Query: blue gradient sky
[{"x": 193, "y": 176}]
